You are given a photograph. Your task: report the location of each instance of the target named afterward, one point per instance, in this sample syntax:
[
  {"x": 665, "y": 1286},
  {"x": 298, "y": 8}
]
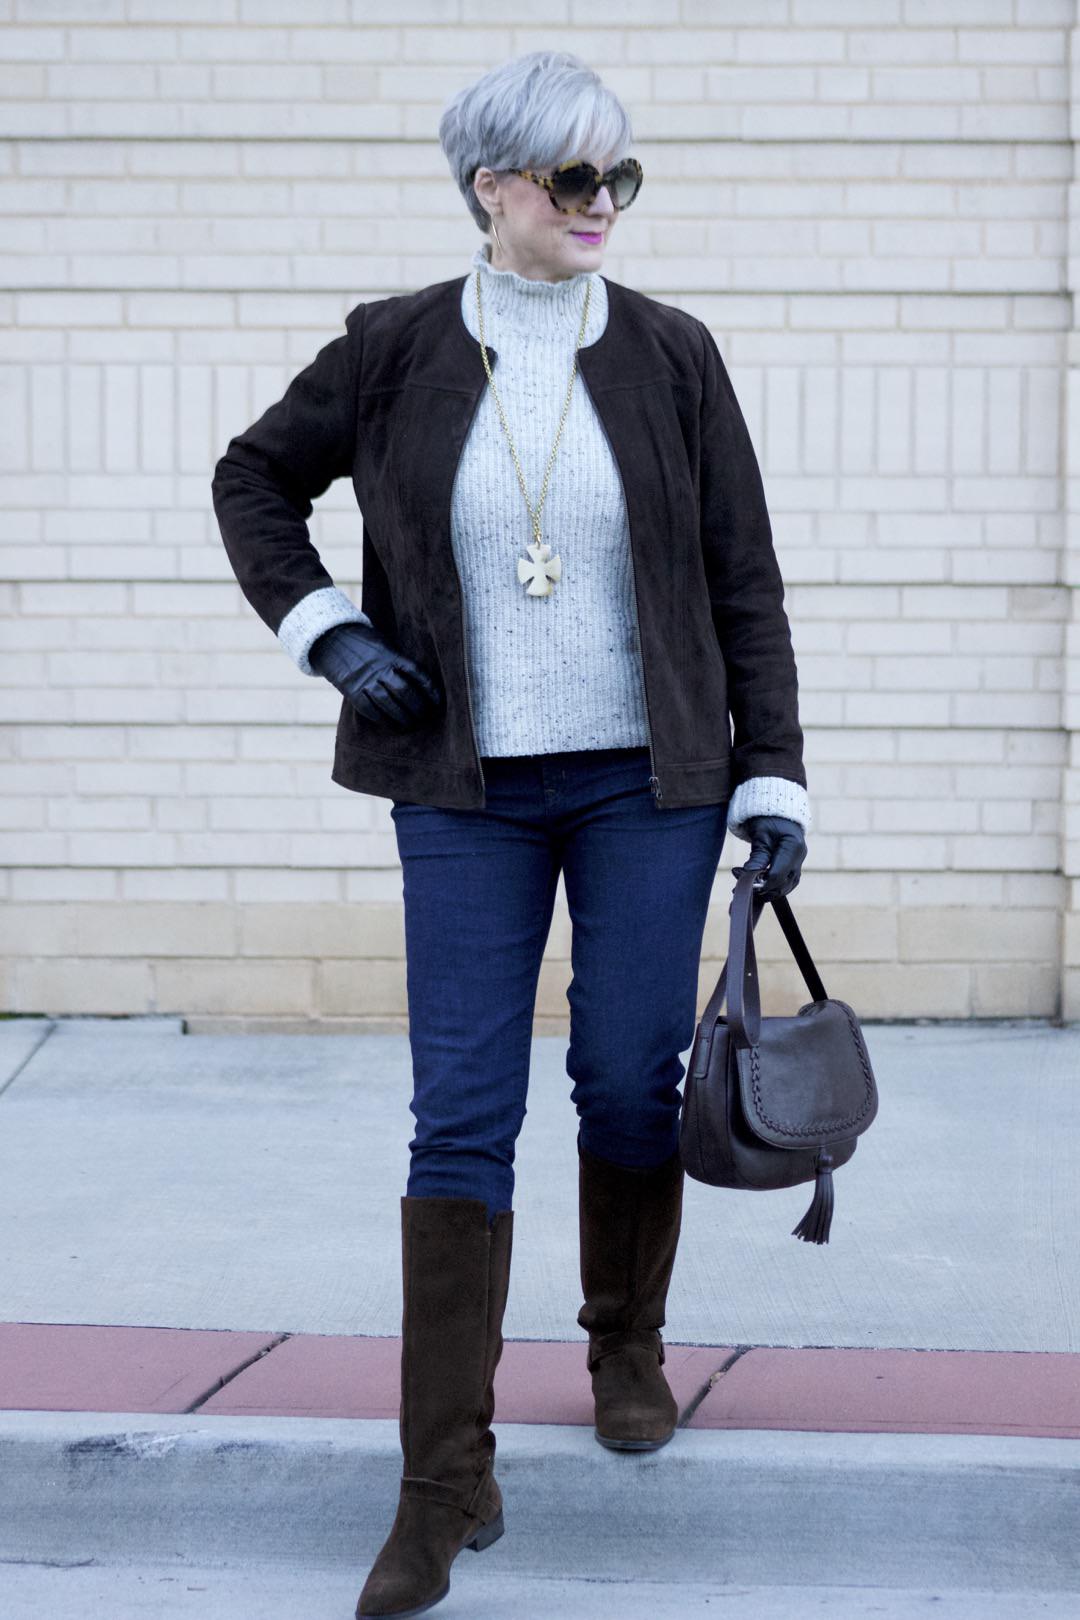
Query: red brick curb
[{"x": 77, "y": 1367}]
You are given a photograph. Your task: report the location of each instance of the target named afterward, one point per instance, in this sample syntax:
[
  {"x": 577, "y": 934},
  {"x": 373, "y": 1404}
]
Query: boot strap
[
  {"x": 470, "y": 1501},
  {"x": 606, "y": 1344}
]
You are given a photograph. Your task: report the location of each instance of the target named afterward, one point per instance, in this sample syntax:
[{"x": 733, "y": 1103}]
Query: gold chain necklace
[{"x": 538, "y": 576}]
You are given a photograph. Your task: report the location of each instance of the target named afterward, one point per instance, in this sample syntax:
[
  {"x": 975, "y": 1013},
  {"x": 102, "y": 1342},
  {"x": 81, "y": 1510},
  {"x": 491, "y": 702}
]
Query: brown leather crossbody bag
[{"x": 772, "y": 1102}]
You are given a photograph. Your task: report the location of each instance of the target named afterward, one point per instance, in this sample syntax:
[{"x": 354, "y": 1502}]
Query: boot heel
[{"x": 487, "y": 1533}]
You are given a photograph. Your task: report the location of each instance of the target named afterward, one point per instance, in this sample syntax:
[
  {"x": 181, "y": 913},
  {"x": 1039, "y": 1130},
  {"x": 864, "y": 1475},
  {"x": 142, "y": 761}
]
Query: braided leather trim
[{"x": 817, "y": 1126}]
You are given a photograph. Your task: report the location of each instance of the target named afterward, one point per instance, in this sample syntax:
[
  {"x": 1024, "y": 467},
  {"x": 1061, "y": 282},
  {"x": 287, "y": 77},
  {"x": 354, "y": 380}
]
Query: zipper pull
[{"x": 658, "y": 792}]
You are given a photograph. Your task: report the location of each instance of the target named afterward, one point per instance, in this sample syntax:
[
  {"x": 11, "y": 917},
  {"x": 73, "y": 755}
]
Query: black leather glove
[
  {"x": 380, "y": 682},
  {"x": 777, "y": 844}
]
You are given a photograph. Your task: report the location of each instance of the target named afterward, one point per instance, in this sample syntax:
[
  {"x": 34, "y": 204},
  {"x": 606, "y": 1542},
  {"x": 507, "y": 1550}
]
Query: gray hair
[{"x": 533, "y": 112}]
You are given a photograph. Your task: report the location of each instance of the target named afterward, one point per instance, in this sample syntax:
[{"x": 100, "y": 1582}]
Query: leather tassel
[{"x": 815, "y": 1224}]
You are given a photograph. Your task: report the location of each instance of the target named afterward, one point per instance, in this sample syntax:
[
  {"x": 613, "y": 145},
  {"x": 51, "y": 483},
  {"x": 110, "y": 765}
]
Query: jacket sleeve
[
  {"x": 746, "y": 595},
  {"x": 263, "y": 488}
]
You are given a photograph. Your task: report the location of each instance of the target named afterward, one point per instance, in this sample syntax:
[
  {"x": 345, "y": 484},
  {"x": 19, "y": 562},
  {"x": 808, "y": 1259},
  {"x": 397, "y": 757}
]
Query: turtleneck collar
[{"x": 518, "y": 303}]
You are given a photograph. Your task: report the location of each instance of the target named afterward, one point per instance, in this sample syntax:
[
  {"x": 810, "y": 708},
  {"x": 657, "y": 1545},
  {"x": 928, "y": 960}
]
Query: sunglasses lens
[
  {"x": 625, "y": 184},
  {"x": 572, "y": 186}
]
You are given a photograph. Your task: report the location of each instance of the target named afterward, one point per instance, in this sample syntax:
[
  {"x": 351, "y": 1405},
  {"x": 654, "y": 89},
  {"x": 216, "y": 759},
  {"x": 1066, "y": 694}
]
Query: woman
[{"x": 540, "y": 680}]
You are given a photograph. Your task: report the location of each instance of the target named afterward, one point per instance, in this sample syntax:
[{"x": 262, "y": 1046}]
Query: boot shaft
[
  {"x": 629, "y": 1222},
  {"x": 455, "y": 1282}
]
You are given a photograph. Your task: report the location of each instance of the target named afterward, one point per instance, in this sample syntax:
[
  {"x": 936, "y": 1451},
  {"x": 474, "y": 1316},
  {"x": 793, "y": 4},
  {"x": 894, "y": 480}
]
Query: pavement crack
[
  {"x": 710, "y": 1383},
  {"x": 219, "y": 1384},
  {"x": 52, "y": 1563}
]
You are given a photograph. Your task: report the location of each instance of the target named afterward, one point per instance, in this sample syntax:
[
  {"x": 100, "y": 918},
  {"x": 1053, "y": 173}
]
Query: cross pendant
[{"x": 539, "y": 576}]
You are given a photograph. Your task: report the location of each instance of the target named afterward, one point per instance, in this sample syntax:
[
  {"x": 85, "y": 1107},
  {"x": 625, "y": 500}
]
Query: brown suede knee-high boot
[
  {"x": 455, "y": 1280},
  {"x": 629, "y": 1221}
]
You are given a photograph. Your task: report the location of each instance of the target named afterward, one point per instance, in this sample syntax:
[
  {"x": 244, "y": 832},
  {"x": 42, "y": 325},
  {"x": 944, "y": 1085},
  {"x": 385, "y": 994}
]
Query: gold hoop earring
[{"x": 496, "y": 234}]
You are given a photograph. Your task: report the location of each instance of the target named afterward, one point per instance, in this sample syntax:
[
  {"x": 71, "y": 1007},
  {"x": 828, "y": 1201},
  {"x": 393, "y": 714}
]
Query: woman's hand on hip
[
  {"x": 777, "y": 848},
  {"x": 379, "y": 680}
]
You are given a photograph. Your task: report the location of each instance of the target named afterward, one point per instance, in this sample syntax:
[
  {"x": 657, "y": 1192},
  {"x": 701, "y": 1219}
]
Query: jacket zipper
[
  {"x": 468, "y": 695},
  {"x": 654, "y": 780},
  {"x": 464, "y": 643}
]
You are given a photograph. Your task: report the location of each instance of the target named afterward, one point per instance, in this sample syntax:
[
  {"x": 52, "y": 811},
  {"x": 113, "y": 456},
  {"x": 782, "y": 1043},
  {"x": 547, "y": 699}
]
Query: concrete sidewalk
[
  {"x": 200, "y": 1297},
  {"x": 252, "y": 1182}
]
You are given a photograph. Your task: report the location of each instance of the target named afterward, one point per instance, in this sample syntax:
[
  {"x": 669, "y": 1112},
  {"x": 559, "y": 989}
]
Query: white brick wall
[{"x": 870, "y": 202}]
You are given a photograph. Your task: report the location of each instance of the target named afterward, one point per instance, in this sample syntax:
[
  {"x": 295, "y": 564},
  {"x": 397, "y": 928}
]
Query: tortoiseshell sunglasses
[{"x": 574, "y": 186}]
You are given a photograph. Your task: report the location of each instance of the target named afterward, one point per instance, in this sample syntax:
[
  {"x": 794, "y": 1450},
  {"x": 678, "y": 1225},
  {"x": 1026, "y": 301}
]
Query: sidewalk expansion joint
[
  {"x": 267, "y": 1349},
  {"x": 27, "y": 1060},
  {"x": 713, "y": 1379}
]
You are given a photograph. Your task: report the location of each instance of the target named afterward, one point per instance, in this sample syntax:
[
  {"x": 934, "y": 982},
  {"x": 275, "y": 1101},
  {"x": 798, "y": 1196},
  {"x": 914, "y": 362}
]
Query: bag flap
[{"x": 808, "y": 1079}]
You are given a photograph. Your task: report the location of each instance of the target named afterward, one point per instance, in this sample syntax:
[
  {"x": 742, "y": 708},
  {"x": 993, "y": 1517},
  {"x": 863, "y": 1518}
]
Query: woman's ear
[{"x": 486, "y": 187}]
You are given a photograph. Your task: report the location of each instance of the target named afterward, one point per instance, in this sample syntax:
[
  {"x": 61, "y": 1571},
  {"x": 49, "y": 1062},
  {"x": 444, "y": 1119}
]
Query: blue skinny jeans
[{"x": 479, "y": 889}]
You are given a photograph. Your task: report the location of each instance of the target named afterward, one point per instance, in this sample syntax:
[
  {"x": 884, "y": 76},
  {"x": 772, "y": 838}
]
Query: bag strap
[
  {"x": 744, "y": 997},
  {"x": 744, "y": 1003},
  {"x": 811, "y": 977}
]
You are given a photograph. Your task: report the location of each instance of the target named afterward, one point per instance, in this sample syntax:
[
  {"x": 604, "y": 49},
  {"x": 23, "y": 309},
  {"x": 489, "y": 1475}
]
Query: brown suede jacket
[{"x": 388, "y": 404}]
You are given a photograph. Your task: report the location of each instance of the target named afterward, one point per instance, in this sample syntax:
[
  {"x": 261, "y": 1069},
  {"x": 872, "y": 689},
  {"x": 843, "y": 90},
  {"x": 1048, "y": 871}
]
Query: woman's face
[{"x": 538, "y": 241}]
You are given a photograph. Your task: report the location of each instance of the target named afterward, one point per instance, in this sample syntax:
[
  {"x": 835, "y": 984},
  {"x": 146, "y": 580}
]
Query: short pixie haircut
[{"x": 533, "y": 112}]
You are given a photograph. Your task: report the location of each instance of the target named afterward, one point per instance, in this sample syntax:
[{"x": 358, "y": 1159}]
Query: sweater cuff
[
  {"x": 767, "y": 796},
  {"x": 315, "y": 613}
]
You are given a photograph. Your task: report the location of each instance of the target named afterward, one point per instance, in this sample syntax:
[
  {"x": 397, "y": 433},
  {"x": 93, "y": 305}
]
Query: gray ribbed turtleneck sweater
[{"x": 558, "y": 672}]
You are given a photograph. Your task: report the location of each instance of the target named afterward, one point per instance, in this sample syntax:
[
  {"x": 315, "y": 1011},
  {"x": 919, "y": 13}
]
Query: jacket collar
[{"x": 453, "y": 359}]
